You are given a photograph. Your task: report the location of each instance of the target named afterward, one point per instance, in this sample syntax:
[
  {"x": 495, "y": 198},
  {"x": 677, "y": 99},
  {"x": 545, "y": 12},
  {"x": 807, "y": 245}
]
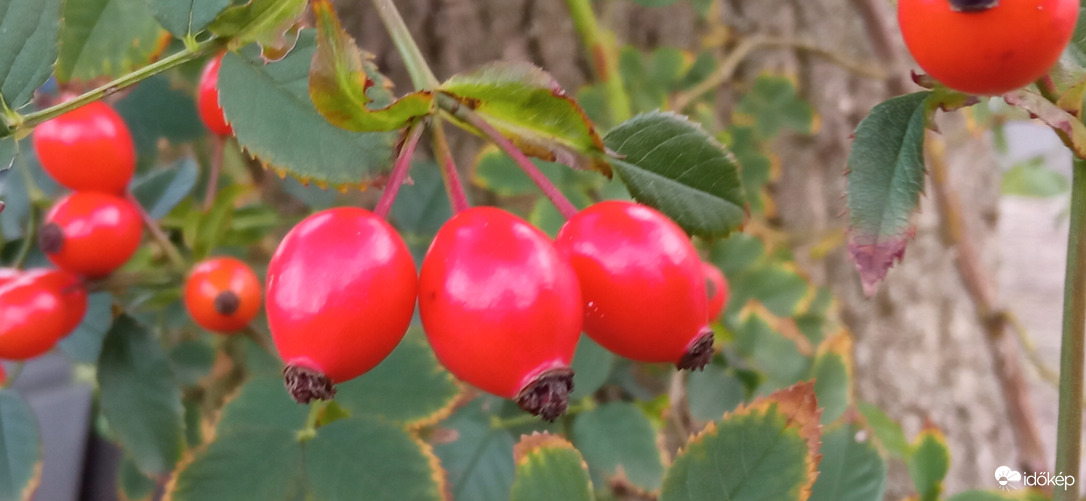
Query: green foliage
[
  {"x": 186, "y": 17},
  {"x": 270, "y": 23},
  {"x": 887, "y": 432},
  {"x": 592, "y": 364},
  {"x": 556, "y": 130},
  {"x": 92, "y": 46},
  {"x": 20, "y": 465},
  {"x": 160, "y": 109},
  {"x": 269, "y": 108},
  {"x": 673, "y": 165},
  {"x": 832, "y": 373},
  {"x": 548, "y": 468},
  {"x": 885, "y": 179},
  {"x": 762, "y": 451},
  {"x": 772, "y": 105},
  {"x": 139, "y": 397},
  {"x": 1032, "y": 178},
  {"x": 84, "y": 344},
  {"x": 479, "y": 457},
  {"x": 928, "y": 460},
  {"x": 617, "y": 437},
  {"x": 28, "y": 42},
  {"x": 851, "y": 468},
  {"x": 161, "y": 190}
]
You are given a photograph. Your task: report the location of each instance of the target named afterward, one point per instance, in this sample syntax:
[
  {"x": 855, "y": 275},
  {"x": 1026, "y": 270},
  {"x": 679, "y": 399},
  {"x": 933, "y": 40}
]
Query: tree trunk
[{"x": 919, "y": 348}]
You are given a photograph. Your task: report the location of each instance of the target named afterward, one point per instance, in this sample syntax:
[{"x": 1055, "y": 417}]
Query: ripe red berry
[
  {"x": 642, "y": 284},
  {"x": 90, "y": 234},
  {"x": 87, "y": 149},
  {"x": 502, "y": 308},
  {"x": 341, "y": 291},
  {"x": 9, "y": 274},
  {"x": 207, "y": 99},
  {"x": 717, "y": 288},
  {"x": 986, "y": 47},
  {"x": 37, "y": 309},
  {"x": 222, "y": 294}
]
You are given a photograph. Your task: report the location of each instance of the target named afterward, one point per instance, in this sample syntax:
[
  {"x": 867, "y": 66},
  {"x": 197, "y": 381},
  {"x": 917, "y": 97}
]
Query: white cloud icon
[{"x": 1005, "y": 475}]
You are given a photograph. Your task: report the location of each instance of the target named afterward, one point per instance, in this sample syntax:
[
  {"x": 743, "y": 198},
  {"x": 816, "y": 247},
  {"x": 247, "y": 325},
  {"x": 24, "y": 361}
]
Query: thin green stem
[
  {"x": 458, "y": 198},
  {"x": 422, "y": 77},
  {"x": 217, "y": 144},
  {"x": 316, "y": 408},
  {"x": 30, "y": 235},
  {"x": 171, "y": 61},
  {"x": 603, "y": 55},
  {"x": 1069, "y": 420},
  {"x": 163, "y": 241},
  {"x": 498, "y": 423},
  {"x": 453, "y": 107},
  {"x": 399, "y": 170}
]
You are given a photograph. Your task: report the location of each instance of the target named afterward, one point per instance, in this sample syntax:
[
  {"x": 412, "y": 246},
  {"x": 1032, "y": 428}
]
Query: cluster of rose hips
[
  {"x": 94, "y": 230},
  {"x": 502, "y": 304}
]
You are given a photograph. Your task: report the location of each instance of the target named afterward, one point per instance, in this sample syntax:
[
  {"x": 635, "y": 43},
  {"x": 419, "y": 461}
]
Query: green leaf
[
  {"x": 160, "y": 109},
  {"x": 421, "y": 208},
  {"x": 549, "y": 468},
  {"x": 106, "y": 39},
  {"x": 84, "y": 344},
  {"x": 366, "y": 455},
  {"x": 886, "y": 430},
  {"x": 258, "y": 465},
  {"x": 712, "y": 392},
  {"x": 478, "y": 458},
  {"x": 556, "y": 129},
  {"x": 186, "y": 17},
  {"x": 191, "y": 360},
  {"x": 928, "y": 461},
  {"x": 673, "y": 165},
  {"x": 885, "y": 179},
  {"x": 733, "y": 255},
  {"x": 765, "y": 450},
  {"x": 160, "y": 190},
  {"x": 617, "y": 437},
  {"x": 755, "y": 165},
  {"x": 772, "y": 105},
  {"x": 28, "y": 48},
  {"x": 20, "y": 463},
  {"x": 275, "y": 121},
  {"x": 497, "y": 172},
  {"x": 262, "y": 405},
  {"x": 776, "y": 285},
  {"x": 341, "y": 75},
  {"x": 270, "y": 23},
  {"x": 832, "y": 372},
  {"x": 408, "y": 387},
  {"x": 1032, "y": 178},
  {"x": 850, "y": 470},
  {"x": 139, "y": 398},
  {"x": 132, "y": 484},
  {"x": 591, "y": 365},
  {"x": 775, "y": 355}
]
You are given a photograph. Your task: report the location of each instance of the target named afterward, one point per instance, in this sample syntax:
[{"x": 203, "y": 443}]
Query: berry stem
[
  {"x": 1072, "y": 345},
  {"x": 453, "y": 187},
  {"x": 172, "y": 254},
  {"x": 453, "y": 107},
  {"x": 260, "y": 339},
  {"x": 166, "y": 63},
  {"x": 399, "y": 170},
  {"x": 422, "y": 77},
  {"x": 316, "y": 408},
  {"x": 600, "y": 44},
  {"x": 217, "y": 143}
]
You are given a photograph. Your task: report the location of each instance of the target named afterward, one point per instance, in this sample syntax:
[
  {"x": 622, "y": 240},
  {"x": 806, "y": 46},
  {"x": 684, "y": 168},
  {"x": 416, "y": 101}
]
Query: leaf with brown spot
[
  {"x": 346, "y": 86},
  {"x": 1071, "y": 131}
]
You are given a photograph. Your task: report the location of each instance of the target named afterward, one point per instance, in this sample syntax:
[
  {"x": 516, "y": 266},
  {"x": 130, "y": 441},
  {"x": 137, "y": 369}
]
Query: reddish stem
[
  {"x": 217, "y": 143},
  {"x": 545, "y": 185},
  {"x": 458, "y": 198},
  {"x": 156, "y": 232},
  {"x": 399, "y": 171}
]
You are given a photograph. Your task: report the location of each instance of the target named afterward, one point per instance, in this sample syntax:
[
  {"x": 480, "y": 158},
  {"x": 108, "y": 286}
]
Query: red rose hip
[
  {"x": 207, "y": 99},
  {"x": 90, "y": 233},
  {"x": 502, "y": 308},
  {"x": 341, "y": 290},
  {"x": 37, "y": 309},
  {"x": 222, "y": 294},
  {"x": 642, "y": 284},
  {"x": 87, "y": 149}
]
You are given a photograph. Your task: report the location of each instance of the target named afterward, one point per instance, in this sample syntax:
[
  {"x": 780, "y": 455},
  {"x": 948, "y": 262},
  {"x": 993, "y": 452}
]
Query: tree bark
[{"x": 919, "y": 348}]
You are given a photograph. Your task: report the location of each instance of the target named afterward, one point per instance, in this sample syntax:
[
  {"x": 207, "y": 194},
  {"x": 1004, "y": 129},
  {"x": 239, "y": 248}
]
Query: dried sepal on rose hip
[
  {"x": 641, "y": 282},
  {"x": 341, "y": 290},
  {"x": 502, "y": 309}
]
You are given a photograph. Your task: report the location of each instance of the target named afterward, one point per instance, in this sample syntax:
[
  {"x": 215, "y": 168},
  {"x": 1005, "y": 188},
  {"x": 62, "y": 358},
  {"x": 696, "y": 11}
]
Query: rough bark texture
[{"x": 919, "y": 349}]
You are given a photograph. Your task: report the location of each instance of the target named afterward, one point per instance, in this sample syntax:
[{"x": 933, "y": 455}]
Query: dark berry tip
[
  {"x": 305, "y": 384},
  {"x": 699, "y": 353},
  {"x": 547, "y": 396},
  {"x": 226, "y": 303},
  {"x": 50, "y": 238},
  {"x": 972, "y": 5}
]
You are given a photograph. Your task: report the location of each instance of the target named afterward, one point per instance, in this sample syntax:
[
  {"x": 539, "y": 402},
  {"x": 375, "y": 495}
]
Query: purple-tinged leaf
[
  {"x": 1069, "y": 128},
  {"x": 885, "y": 179}
]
